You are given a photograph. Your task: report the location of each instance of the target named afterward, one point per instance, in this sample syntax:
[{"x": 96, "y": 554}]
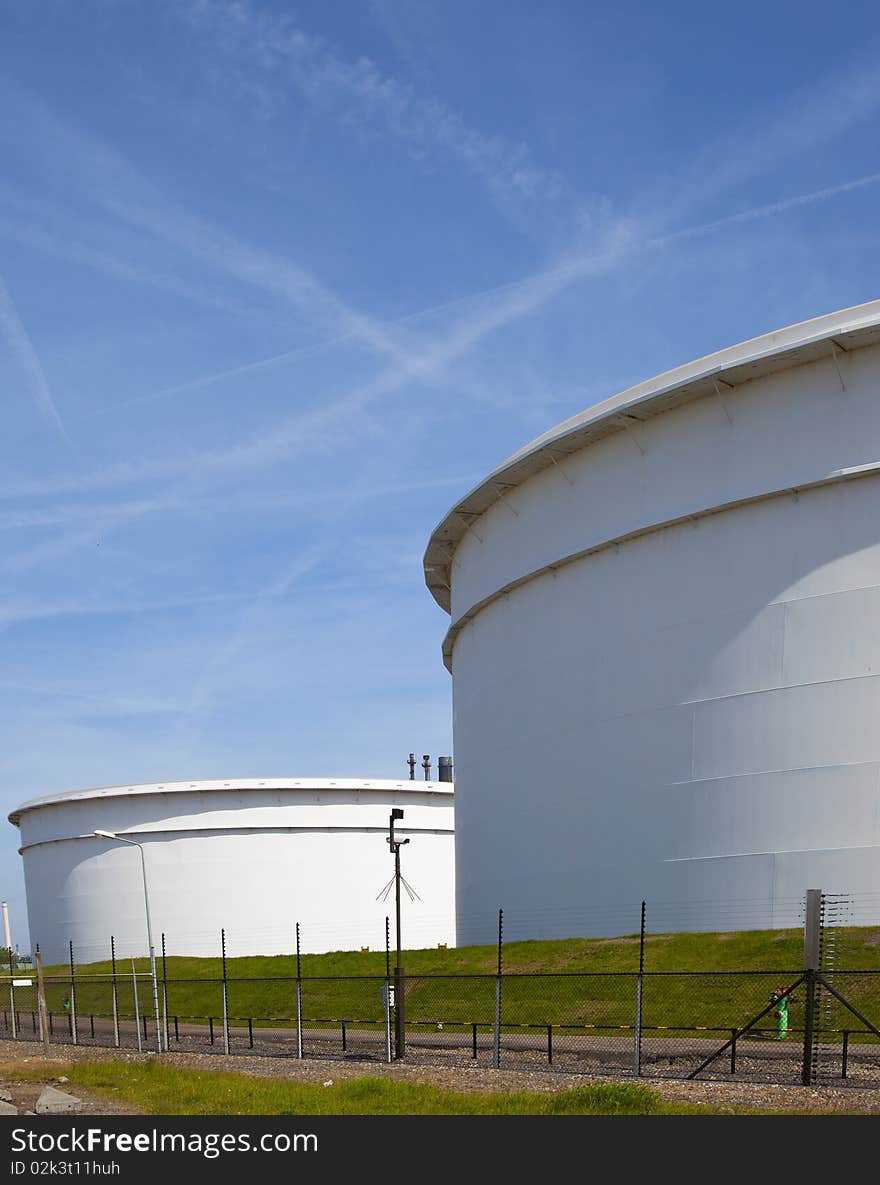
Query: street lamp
[
  {"x": 135, "y": 844},
  {"x": 395, "y": 845}
]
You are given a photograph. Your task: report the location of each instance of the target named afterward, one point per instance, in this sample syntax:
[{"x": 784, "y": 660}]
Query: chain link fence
[
  {"x": 721, "y": 1025},
  {"x": 815, "y": 1025}
]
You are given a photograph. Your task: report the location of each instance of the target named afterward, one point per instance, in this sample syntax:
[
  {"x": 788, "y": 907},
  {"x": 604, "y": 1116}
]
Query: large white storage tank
[
  {"x": 252, "y": 857},
  {"x": 665, "y": 645}
]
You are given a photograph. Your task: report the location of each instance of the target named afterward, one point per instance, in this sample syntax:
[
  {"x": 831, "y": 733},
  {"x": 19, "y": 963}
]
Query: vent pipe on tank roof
[{"x": 444, "y": 769}]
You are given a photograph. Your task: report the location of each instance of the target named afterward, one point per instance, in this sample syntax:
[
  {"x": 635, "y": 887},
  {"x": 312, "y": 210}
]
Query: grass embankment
[{"x": 586, "y": 984}]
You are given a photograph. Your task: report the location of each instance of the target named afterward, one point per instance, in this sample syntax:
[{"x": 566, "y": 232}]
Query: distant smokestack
[
  {"x": 6, "y": 933},
  {"x": 444, "y": 769},
  {"x": 411, "y": 762},
  {"x": 426, "y": 766}
]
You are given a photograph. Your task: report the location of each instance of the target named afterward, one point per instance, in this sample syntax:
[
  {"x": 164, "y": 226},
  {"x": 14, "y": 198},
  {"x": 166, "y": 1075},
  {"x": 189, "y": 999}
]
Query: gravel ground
[{"x": 764, "y": 1096}]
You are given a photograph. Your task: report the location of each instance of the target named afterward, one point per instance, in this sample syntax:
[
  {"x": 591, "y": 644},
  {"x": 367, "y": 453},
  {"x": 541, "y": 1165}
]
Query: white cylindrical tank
[
  {"x": 665, "y": 645},
  {"x": 252, "y": 857}
]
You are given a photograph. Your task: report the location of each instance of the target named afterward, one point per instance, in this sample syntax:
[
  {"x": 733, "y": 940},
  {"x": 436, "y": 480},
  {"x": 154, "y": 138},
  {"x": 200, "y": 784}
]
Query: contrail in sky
[{"x": 22, "y": 349}]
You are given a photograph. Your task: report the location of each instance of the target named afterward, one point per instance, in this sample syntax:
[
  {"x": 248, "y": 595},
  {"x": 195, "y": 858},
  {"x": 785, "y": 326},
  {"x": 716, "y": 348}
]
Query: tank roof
[
  {"x": 385, "y": 785},
  {"x": 808, "y": 341}
]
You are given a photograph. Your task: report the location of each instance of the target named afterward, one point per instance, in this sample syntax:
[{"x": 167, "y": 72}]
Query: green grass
[
  {"x": 858, "y": 948},
  {"x": 161, "y": 1089},
  {"x": 261, "y": 987},
  {"x": 157, "y": 1088}
]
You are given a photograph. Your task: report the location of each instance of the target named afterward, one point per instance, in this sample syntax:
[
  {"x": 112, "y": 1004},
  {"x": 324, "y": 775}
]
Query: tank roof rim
[
  {"x": 858, "y": 325},
  {"x": 195, "y": 786}
]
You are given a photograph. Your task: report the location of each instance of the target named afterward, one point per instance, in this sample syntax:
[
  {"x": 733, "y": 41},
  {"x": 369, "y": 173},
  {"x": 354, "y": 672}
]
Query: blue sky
[{"x": 279, "y": 282}]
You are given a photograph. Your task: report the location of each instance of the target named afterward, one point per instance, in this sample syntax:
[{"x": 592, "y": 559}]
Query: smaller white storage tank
[{"x": 251, "y": 857}]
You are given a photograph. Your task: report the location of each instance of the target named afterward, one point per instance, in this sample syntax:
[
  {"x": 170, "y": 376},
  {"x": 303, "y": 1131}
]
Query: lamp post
[
  {"x": 395, "y": 845},
  {"x": 135, "y": 844}
]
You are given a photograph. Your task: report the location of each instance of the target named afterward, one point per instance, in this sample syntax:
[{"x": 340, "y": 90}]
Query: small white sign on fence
[{"x": 22, "y": 983}]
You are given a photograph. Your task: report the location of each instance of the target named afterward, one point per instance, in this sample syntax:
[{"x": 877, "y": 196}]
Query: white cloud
[
  {"x": 491, "y": 309},
  {"x": 828, "y": 107},
  {"x": 25, "y": 232},
  {"x": 103, "y": 177},
  {"x": 359, "y": 93}
]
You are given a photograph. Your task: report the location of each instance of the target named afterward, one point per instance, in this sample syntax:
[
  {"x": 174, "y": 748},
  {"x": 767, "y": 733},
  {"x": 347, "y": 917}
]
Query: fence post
[
  {"x": 637, "y": 1035},
  {"x": 41, "y": 1001},
  {"x": 845, "y": 1052},
  {"x": 386, "y": 994},
  {"x": 807, "y": 1066},
  {"x": 12, "y": 1002},
  {"x": 165, "y": 994},
  {"x": 399, "y": 1020},
  {"x": 496, "y": 1031},
  {"x": 299, "y": 1003},
  {"x": 812, "y": 957},
  {"x": 137, "y": 1019},
  {"x": 113, "y": 992},
  {"x": 73, "y": 1030},
  {"x": 225, "y": 996}
]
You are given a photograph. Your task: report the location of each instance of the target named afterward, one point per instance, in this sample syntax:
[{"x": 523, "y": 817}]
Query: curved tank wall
[
  {"x": 666, "y": 660},
  {"x": 251, "y": 857}
]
